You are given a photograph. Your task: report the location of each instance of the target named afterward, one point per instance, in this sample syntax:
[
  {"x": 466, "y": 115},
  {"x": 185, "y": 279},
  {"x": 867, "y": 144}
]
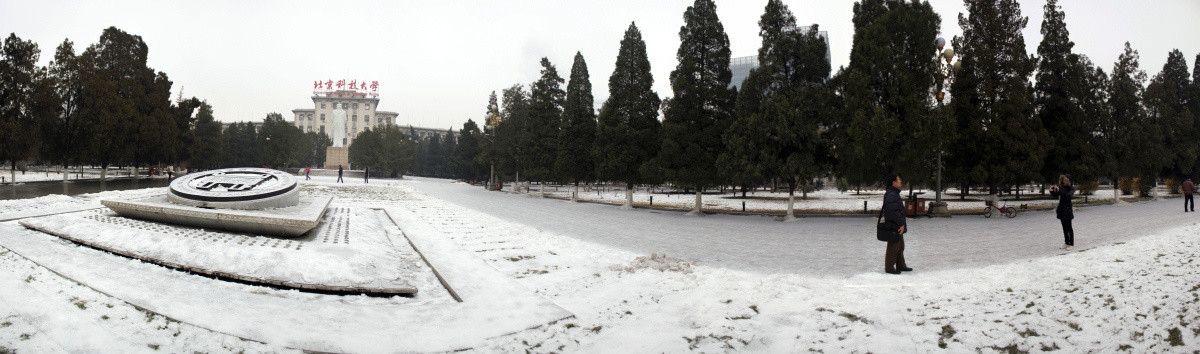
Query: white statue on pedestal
[{"x": 338, "y": 133}]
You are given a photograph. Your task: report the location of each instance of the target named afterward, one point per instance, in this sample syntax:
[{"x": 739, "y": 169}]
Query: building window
[
  {"x": 355, "y": 105},
  {"x": 322, "y": 129},
  {"x": 354, "y": 118},
  {"x": 354, "y": 131},
  {"x": 322, "y": 104},
  {"x": 368, "y": 106},
  {"x": 366, "y": 119},
  {"x": 310, "y": 117},
  {"x": 322, "y": 117},
  {"x": 345, "y": 105}
]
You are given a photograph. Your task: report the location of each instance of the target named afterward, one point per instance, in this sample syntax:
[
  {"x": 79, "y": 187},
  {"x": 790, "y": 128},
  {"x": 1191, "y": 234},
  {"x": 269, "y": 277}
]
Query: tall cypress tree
[
  {"x": 1059, "y": 95},
  {"x": 797, "y": 115},
  {"x": 465, "y": 161},
  {"x": 574, "y": 162},
  {"x": 628, "y": 133},
  {"x": 785, "y": 136},
  {"x": 509, "y": 149},
  {"x": 18, "y": 126},
  {"x": 993, "y": 96},
  {"x": 1138, "y": 143},
  {"x": 487, "y": 143},
  {"x": 741, "y": 160},
  {"x": 702, "y": 107},
  {"x": 207, "y": 150},
  {"x": 68, "y": 132},
  {"x": 1167, "y": 102},
  {"x": 887, "y": 125},
  {"x": 546, "y": 106}
]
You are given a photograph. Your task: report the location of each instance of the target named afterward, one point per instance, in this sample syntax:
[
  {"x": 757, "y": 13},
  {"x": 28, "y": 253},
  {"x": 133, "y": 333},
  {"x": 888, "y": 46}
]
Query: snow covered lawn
[
  {"x": 1136, "y": 288},
  {"x": 826, "y": 201}
]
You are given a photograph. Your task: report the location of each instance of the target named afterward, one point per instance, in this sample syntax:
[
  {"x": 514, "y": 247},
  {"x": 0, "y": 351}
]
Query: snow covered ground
[{"x": 725, "y": 283}]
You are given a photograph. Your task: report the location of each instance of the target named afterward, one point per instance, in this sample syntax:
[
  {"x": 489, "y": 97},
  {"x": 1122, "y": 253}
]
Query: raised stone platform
[
  {"x": 291, "y": 221},
  {"x": 351, "y": 252}
]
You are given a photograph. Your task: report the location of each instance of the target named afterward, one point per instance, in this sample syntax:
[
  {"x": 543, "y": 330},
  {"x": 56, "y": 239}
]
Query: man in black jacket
[{"x": 893, "y": 211}]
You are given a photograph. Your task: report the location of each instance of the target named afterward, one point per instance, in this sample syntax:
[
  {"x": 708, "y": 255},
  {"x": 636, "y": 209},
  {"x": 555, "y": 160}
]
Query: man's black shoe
[
  {"x": 892, "y": 271},
  {"x": 905, "y": 269}
]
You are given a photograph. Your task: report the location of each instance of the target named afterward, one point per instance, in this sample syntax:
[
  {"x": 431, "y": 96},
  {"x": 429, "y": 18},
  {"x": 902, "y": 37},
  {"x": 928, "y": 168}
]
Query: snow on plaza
[{"x": 503, "y": 272}]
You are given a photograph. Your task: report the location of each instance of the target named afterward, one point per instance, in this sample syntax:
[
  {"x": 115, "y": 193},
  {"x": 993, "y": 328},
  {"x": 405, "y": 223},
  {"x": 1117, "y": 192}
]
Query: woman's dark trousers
[{"x": 1068, "y": 232}]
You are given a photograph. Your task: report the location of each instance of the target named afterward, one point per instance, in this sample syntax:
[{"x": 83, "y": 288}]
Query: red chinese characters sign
[{"x": 325, "y": 87}]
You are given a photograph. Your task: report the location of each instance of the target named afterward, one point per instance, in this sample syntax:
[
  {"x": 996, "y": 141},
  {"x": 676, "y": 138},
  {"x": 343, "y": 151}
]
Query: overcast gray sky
[{"x": 437, "y": 61}]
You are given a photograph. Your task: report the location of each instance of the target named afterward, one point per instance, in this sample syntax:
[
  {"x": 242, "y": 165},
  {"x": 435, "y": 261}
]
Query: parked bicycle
[{"x": 1004, "y": 209}]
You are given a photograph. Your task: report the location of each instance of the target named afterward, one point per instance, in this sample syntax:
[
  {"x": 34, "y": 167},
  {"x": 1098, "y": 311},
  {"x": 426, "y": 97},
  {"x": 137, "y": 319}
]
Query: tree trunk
[
  {"x": 542, "y": 189},
  {"x": 791, "y": 213},
  {"x": 628, "y": 196},
  {"x": 698, "y": 211},
  {"x": 575, "y": 194},
  {"x": 517, "y": 183},
  {"x": 1154, "y": 190},
  {"x": 103, "y": 173},
  {"x": 1116, "y": 191},
  {"x": 65, "y": 172},
  {"x": 13, "y": 172}
]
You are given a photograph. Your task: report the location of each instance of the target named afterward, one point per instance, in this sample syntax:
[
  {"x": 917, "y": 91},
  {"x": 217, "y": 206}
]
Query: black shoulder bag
[{"x": 886, "y": 231}]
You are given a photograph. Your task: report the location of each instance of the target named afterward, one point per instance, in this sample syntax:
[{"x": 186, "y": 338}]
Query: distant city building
[
  {"x": 257, "y": 125},
  {"x": 741, "y": 66}
]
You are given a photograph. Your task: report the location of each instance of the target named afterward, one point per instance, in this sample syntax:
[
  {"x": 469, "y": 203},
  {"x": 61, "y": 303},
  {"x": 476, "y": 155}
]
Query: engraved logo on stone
[{"x": 232, "y": 183}]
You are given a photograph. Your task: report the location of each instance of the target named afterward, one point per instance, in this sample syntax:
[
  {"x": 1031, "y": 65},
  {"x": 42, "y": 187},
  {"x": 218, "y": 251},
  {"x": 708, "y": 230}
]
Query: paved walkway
[{"x": 821, "y": 246}]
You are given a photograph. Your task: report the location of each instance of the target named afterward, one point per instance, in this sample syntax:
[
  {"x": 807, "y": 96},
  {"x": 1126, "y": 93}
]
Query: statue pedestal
[{"x": 335, "y": 156}]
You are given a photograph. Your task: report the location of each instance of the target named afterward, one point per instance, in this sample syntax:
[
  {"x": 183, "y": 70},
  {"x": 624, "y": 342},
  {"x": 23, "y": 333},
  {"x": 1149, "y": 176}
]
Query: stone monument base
[
  {"x": 287, "y": 222},
  {"x": 335, "y": 156}
]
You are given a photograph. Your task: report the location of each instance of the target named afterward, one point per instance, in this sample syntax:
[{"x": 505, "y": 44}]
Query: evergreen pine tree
[
  {"x": 69, "y": 136},
  {"x": 18, "y": 126},
  {"x": 796, "y": 116},
  {"x": 1138, "y": 143},
  {"x": 702, "y": 107},
  {"x": 510, "y": 151},
  {"x": 1060, "y": 91},
  {"x": 487, "y": 140},
  {"x": 207, "y": 149},
  {"x": 546, "y": 99},
  {"x": 114, "y": 82},
  {"x": 574, "y": 161},
  {"x": 627, "y": 129},
  {"x": 1167, "y": 102},
  {"x": 993, "y": 99},
  {"x": 465, "y": 161},
  {"x": 449, "y": 145},
  {"x": 887, "y": 124},
  {"x": 741, "y": 160}
]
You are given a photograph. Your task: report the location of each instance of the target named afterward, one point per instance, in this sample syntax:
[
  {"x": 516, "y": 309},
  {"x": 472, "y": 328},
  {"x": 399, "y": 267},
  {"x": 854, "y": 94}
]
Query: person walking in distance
[
  {"x": 367, "y": 174},
  {"x": 307, "y": 172},
  {"x": 1189, "y": 189},
  {"x": 339, "y": 174},
  {"x": 1065, "y": 212},
  {"x": 893, "y": 212},
  {"x": 170, "y": 172}
]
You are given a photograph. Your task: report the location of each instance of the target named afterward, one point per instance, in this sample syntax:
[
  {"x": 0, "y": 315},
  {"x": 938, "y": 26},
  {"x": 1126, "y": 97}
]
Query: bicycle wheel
[
  {"x": 987, "y": 213},
  {"x": 1011, "y": 213}
]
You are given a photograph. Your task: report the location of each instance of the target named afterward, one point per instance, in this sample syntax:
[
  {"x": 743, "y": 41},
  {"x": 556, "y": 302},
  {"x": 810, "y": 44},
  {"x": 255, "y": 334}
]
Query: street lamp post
[{"x": 946, "y": 68}]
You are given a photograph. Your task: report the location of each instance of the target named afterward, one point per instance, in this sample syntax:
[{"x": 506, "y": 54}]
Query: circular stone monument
[{"x": 236, "y": 188}]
